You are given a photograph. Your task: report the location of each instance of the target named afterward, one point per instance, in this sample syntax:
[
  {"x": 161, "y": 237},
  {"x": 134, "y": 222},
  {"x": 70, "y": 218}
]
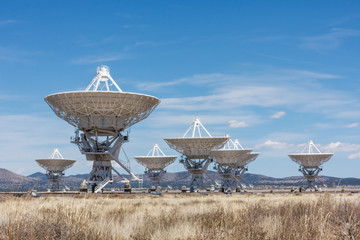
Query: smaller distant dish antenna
[
  {"x": 232, "y": 161},
  {"x": 55, "y": 166},
  {"x": 155, "y": 162},
  {"x": 310, "y": 160},
  {"x": 195, "y": 147}
]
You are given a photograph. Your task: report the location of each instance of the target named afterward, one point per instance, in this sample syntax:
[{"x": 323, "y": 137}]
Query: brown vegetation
[{"x": 187, "y": 216}]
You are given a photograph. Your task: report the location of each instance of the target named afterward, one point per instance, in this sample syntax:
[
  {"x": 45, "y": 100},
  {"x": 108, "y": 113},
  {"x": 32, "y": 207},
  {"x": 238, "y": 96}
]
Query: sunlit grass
[{"x": 182, "y": 216}]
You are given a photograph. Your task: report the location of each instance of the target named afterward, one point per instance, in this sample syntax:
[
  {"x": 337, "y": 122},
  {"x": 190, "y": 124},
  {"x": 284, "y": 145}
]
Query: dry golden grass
[{"x": 177, "y": 216}]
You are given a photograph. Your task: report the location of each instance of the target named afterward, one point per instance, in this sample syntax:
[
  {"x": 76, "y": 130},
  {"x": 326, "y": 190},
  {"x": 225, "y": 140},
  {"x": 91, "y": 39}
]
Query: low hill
[{"x": 10, "y": 181}]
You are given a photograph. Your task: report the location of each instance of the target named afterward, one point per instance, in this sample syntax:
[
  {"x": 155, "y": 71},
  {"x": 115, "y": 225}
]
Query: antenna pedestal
[
  {"x": 311, "y": 174},
  {"x": 227, "y": 174},
  {"x": 197, "y": 168},
  {"x": 240, "y": 172},
  {"x": 155, "y": 175},
  {"x": 101, "y": 150},
  {"x": 54, "y": 179}
]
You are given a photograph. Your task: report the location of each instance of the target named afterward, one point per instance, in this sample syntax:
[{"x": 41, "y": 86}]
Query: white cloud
[
  {"x": 7, "y": 22},
  {"x": 99, "y": 58},
  {"x": 352, "y": 125},
  {"x": 233, "y": 92},
  {"x": 20, "y": 171},
  {"x": 11, "y": 54},
  {"x": 354, "y": 156},
  {"x": 340, "y": 147},
  {"x": 197, "y": 79},
  {"x": 166, "y": 119},
  {"x": 237, "y": 124},
  {"x": 27, "y": 137},
  {"x": 275, "y": 145},
  {"x": 278, "y": 115},
  {"x": 328, "y": 41}
]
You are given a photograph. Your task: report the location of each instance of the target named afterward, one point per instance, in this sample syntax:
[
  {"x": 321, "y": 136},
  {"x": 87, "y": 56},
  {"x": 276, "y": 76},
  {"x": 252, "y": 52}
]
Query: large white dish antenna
[
  {"x": 104, "y": 111},
  {"x": 101, "y": 108},
  {"x": 310, "y": 157}
]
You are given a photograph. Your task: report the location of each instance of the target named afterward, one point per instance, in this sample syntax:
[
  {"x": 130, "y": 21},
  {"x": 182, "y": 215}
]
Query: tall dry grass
[{"x": 189, "y": 216}]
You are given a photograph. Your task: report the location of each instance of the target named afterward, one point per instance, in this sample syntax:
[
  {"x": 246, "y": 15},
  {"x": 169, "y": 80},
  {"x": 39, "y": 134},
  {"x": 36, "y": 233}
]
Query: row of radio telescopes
[{"x": 102, "y": 113}]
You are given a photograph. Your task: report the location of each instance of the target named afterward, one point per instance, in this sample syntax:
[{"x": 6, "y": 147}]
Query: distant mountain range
[{"x": 10, "y": 181}]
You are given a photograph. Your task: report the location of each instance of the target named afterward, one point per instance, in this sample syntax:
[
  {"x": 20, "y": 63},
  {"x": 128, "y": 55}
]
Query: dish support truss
[
  {"x": 311, "y": 174},
  {"x": 102, "y": 150},
  {"x": 197, "y": 168},
  {"x": 55, "y": 178},
  {"x": 309, "y": 154}
]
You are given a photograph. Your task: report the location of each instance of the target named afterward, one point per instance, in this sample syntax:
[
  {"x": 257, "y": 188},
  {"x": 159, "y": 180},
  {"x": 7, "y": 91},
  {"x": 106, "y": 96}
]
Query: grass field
[{"x": 182, "y": 216}]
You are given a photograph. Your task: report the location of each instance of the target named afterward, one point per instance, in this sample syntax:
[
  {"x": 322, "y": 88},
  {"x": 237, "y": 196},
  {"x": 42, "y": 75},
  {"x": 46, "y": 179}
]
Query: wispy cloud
[
  {"x": 354, "y": 156},
  {"x": 11, "y": 54},
  {"x": 351, "y": 125},
  {"x": 278, "y": 115},
  {"x": 100, "y": 42},
  {"x": 169, "y": 119},
  {"x": 275, "y": 145},
  {"x": 237, "y": 124},
  {"x": 221, "y": 79},
  {"x": 234, "y": 91},
  {"x": 197, "y": 79},
  {"x": 148, "y": 43},
  {"x": 330, "y": 40},
  {"x": 7, "y": 22},
  {"x": 340, "y": 147},
  {"x": 35, "y": 137},
  {"x": 285, "y": 148},
  {"x": 99, "y": 58},
  {"x": 127, "y": 15}
]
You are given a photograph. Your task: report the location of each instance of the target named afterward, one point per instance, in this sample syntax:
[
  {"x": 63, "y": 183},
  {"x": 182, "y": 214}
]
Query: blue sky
[{"x": 273, "y": 74}]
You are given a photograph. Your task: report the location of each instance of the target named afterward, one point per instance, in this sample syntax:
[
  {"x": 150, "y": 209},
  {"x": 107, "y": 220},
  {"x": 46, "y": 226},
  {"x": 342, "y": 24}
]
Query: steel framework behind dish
[{"x": 102, "y": 113}]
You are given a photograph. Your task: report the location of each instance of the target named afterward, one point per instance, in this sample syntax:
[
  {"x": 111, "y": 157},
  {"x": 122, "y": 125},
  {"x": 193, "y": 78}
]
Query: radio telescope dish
[
  {"x": 230, "y": 154},
  {"x": 102, "y": 112},
  {"x": 155, "y": 162},
  {"x": 231, "y": 162},
  {"x": 310, "y": 160},
  {"x": 55, "y": 166},
  {"x": 246, "y": 159},
  {"x": 195, "y": 146}
]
